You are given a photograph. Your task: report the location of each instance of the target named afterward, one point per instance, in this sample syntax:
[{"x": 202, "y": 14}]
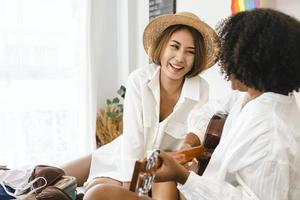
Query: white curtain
[{"x": 47, "y": 112}]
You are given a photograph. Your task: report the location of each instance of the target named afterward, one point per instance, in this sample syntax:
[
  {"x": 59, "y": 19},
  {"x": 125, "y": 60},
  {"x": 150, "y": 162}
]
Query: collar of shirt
[
  {"x": 190, "y": 89},
  {"x": 271, "y": 96}
]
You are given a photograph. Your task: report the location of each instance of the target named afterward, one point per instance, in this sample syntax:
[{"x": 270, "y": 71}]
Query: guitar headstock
[{"x": 144, "y": 175}]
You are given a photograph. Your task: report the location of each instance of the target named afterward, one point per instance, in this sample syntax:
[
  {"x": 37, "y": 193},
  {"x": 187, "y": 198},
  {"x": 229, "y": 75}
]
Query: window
[{"x": 44, "y": 83}]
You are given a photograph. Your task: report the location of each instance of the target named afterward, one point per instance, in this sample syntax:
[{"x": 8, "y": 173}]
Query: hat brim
[{"x": 154, "y": 29}]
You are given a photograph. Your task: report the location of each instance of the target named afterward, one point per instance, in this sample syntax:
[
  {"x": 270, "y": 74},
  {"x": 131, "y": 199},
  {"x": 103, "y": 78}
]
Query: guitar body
[
  {"x": 144, "y": 170},
  {"x": 212, "y": 138}
]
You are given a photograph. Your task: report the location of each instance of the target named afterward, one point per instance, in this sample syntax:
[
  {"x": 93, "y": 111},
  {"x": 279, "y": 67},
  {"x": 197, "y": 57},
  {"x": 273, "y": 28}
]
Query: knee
[
  {"x": 101, "y": 181},
  {"x": 102, "y": 192}
]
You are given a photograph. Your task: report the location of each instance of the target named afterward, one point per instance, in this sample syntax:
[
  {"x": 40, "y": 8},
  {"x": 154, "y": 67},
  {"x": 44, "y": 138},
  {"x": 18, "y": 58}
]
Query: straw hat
[{"x": 160, "y": 23}]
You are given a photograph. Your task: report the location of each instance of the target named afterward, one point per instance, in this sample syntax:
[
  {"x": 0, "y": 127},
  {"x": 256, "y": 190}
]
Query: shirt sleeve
[
  {"x": 200, "y": 116},
  {"x": 133, "y": 142},
  {"x": 198, "y": 187},
  {"x": 270, "y": 182}
]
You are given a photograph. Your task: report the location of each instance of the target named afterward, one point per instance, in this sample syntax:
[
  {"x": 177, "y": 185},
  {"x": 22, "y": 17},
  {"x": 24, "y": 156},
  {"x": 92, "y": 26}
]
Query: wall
[
  {"x": 291, "y": 7},
  {"x": 103, "y": 24},
  {"x": 116, "y": 43},
  {"x": 132, "y": 18}
]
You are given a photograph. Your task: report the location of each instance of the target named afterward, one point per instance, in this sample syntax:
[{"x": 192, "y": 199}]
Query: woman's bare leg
[
  {"x": 111, "y": 192},
  {"x": 102, "y": 180},
  {"x": 79, "y": 168},
  {"x": 165, "y": 191}
]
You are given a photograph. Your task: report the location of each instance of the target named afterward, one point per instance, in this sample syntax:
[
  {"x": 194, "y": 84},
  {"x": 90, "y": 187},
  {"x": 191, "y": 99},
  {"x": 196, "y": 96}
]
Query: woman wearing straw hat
[
  {"x": 158, "y": 99},
  {"x": 258, "y": 156}
]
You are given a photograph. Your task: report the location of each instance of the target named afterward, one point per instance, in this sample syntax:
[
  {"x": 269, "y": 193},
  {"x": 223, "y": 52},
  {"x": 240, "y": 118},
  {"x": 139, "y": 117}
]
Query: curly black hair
[{"x": 261, "y": 48}]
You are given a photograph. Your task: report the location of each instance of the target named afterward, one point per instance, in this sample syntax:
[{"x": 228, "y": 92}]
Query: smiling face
[{"x": 177, "y": 58}]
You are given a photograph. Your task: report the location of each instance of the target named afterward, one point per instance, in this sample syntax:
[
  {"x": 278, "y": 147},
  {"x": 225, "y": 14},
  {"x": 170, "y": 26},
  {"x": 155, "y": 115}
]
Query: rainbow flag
[{"x": 242, "y": 5}]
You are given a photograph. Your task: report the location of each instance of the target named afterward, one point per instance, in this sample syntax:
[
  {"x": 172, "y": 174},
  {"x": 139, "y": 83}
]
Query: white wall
[
  {"x": 104, "y": 48},
  {"x": 291, "y": 7},
  {"x": 131, "y": 32},
  {"x": 116, "y": 49}
]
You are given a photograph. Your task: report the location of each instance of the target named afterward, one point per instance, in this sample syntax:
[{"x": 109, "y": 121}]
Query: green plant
[{"x": 115, "y": 106}]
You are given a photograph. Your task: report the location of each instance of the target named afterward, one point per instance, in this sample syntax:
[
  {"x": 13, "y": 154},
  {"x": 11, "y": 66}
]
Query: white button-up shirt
[
  {"x": 258, "y": 156},
  {"x": 142, "y": 131}
]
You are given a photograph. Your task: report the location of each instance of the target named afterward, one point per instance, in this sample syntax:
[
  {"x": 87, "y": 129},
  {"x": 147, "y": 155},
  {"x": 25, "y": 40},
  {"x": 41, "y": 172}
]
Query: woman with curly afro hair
[
  {"x": 258, "y": 156},
  {"x": 262, "y": 50}
]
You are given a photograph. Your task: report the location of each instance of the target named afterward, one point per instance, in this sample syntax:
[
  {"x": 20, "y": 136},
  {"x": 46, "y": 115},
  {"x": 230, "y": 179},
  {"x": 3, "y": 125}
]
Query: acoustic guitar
[{"x": 144, "y": 170}]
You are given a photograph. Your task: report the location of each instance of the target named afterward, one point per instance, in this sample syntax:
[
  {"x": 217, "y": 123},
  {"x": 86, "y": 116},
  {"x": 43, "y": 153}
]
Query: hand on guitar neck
[
  {"x": 171, "y": 169},
  {"x": 170, "y": 164}
]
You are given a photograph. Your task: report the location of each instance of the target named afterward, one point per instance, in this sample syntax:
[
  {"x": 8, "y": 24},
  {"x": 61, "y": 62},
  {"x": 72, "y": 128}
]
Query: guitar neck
[{"x": 186, "y": 155}]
